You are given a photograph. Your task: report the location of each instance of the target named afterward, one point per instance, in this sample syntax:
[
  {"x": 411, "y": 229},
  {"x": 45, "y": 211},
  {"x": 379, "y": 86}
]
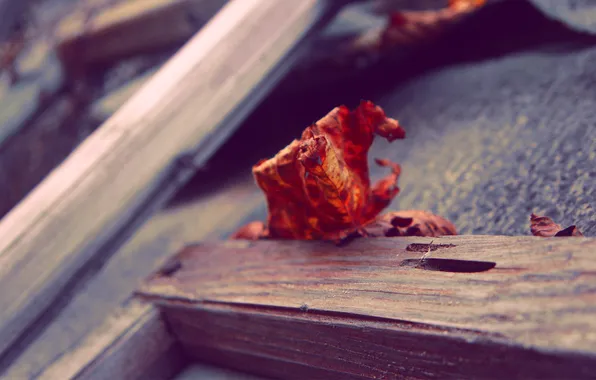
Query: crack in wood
[
  {"x": 449, "y": 265},
  {"x": 424, "y": 248}
]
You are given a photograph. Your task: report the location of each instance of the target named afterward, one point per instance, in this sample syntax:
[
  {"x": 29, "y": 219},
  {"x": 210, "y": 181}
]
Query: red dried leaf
[
  {"x": 410, "y": 223},
  {"x": 545, "y": 227},
  {"x": 405, "y": 28},
  {"x": 318, "y": 187}
]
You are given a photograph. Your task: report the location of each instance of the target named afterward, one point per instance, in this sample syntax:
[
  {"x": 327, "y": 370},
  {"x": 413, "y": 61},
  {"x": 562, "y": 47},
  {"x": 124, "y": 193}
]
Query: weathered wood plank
[
  {"x": 113, "y": 180},
  {"x": 375, "y": 308}
]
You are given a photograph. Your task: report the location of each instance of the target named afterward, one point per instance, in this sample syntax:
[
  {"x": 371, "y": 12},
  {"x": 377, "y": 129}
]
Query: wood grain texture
[
  {"x": 134, "y": 343},
  {"x": 295, "y": 309},
  {"x": 103, "y": 185}
]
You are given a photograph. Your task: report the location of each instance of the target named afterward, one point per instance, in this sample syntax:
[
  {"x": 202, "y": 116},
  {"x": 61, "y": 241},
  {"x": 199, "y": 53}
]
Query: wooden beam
[
  {"x": 127, "y": 168},
  {"x": 473, "y": 307}
]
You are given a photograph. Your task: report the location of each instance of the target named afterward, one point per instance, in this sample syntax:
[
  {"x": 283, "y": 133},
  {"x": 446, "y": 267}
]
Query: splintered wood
[{"x": 413, "y": 307}]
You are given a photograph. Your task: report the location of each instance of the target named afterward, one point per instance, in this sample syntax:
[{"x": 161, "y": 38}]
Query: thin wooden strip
[
  {"x": 98, "y": 189},
  {"x": 126, "y": 346},
  {"x": 133, "y": 343}
]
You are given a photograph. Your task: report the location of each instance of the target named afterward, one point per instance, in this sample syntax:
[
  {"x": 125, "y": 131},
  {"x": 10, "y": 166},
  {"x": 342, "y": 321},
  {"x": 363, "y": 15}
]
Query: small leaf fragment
[
  {"x": 544, "y": 226},
  {"x": 410, "y": 223}
]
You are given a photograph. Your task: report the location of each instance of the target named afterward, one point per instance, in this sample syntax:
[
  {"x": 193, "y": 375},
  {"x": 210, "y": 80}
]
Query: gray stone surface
[{"x": 490, "y": 142}]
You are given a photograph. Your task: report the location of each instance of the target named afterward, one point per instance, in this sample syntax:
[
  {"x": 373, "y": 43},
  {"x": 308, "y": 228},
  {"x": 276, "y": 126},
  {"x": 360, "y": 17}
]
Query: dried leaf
[
  {"x": 406, "y": 28},
  {"x": 410, "y": 223},
  {"x": 318, "y": 187},
  {"x": 545, "y": 227}
]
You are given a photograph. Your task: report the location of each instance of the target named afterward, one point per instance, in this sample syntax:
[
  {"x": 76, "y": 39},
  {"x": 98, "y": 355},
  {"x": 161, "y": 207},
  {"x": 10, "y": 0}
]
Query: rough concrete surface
[{"x": 490, "y": 142}]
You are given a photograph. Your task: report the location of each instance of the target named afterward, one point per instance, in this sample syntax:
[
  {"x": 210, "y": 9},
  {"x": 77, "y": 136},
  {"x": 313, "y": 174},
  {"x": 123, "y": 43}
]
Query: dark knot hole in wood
[{"x": 449, "y": 265}]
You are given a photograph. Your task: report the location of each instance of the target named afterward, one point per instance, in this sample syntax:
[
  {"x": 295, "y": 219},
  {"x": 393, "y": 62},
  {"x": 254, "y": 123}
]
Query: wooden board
[
  {"x": 125, "y": 170},
  {"x": 476, "y": 307}
]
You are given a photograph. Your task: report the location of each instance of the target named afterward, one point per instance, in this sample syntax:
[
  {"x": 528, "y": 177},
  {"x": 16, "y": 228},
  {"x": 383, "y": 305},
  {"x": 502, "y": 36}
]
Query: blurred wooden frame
[
  {"x": 129, "y": 28},
  {"x": 139, "y": 157}
]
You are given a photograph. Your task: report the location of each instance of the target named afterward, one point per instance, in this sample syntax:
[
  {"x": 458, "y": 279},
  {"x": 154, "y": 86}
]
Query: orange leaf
[
  {"x": 545, "y": 227},
  {"x": 318, "y": 187}
]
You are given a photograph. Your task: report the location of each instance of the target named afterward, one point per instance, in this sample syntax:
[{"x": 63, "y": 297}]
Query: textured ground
[
  {"x": 491, "y": 142},
  {"x": 508, "y": 129}
]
